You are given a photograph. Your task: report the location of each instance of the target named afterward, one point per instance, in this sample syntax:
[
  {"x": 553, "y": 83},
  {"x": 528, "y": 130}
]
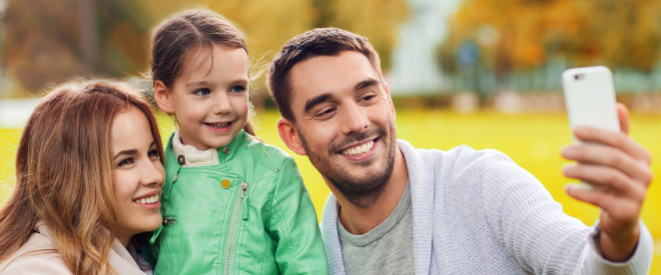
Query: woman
[{"x": 89, "y": 176}]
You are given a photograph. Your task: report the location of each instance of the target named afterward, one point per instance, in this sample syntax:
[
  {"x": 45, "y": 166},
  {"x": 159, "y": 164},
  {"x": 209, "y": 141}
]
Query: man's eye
[
  {"x": 325, "y": 113},
  {"x": 367, "y": 98}
]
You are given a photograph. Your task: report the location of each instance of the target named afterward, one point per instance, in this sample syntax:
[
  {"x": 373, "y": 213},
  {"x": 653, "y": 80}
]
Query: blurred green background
[{"x": 480, "y": 72}]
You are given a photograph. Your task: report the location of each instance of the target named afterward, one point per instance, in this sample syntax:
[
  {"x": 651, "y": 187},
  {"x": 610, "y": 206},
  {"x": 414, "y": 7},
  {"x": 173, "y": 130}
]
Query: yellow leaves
[
  {"x": 130, "y": 42},
  {"x": 377, "y": 20},
  {"x": 620, "y": 33},
  {"x": 529, "y": 55}
]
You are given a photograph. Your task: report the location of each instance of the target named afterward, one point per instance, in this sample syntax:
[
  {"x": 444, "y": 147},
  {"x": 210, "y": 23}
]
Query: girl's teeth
[{"x": 219, "y": 125}]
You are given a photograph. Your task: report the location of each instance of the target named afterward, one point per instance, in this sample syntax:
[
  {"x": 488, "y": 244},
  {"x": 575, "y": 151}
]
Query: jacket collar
[
  {"x": 225, "y": 154},
  {"x": 422, "y": 201}
]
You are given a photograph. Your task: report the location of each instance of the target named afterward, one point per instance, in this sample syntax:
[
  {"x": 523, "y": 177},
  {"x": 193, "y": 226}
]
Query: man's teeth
[
  {"x": 148, "y": 200},
  {"x": 219, "y": 125},
  {"x": 359, "y": 149}
]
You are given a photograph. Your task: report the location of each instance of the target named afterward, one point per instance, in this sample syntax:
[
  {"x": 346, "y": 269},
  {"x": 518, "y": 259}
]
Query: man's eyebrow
[
  {"x": 326, "y": 96},
  {"x": 365, "y": 84},
  {"x": 125, "y": 152},
  {"x": 309, "y": 104}
]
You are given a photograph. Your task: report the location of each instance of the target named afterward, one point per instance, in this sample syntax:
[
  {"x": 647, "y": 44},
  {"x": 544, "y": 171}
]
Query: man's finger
[
  {"x": 623, "y": 117},
  {"x": 606, "y": 179},
  {"x": 611, "y": 157},
  {"x": 613, "y": 139},
  {"x": 617, "y": 208}
]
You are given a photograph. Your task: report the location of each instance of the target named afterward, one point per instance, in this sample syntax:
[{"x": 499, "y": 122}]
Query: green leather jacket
[{"x": 249, "y": 215}]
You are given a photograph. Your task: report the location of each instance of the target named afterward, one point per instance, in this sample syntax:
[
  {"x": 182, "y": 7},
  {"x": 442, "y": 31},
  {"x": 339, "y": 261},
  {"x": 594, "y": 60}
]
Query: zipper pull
[
  {"x": 155, "y": 235},
  {"x": 169, "y": 221},
  {"x": 244, "y": 197}
]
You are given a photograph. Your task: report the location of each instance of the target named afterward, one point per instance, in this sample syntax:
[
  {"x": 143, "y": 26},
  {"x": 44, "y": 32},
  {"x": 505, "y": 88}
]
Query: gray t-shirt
[{"x": 386, "y": 249}]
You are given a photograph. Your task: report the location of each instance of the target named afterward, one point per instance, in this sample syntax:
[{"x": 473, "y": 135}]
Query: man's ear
[
  {"x": 162, "y": 96},
  {"x": 289, "y": 135}
]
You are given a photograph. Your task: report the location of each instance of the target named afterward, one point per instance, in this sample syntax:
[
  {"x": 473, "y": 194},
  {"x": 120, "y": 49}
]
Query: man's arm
[{"x": 618, "y": 175}]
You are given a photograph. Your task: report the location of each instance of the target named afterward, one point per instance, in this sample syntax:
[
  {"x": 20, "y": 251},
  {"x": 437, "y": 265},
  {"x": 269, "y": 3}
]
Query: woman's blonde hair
[{"x": 64, "y": 174}]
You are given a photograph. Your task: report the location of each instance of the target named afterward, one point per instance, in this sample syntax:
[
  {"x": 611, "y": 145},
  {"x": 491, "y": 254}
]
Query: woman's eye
[
  {"x": 237, "y": 89},
  {"x": 125, "y": 162},
  {"x": 153, "y": 154},
  {"x": 203, "y": 91}
]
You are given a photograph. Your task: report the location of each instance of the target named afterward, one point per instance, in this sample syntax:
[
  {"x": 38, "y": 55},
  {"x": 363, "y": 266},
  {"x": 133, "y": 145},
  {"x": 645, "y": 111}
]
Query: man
[{"x": 396, "y": 209}]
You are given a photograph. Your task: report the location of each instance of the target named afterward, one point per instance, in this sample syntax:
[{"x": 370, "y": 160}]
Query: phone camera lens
[{"x": 578, "y": 76}]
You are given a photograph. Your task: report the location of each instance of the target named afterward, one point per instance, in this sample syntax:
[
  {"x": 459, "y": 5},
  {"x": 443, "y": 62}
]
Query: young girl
[
  {"x": 231, "y": 203},
  {"x": 89, "y": 175}
]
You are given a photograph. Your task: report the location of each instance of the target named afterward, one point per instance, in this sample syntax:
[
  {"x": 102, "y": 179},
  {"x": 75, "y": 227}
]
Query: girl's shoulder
[{"x": 265, "y": 152}]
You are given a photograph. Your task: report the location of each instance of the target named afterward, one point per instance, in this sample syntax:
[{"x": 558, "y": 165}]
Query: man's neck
[{"x": 360, "y": 220}]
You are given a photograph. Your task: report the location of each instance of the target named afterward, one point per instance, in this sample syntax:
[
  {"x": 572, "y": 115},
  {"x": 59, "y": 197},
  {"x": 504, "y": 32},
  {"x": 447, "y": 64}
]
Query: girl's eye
[
  {"x": 203, "y": 91},
  {"x": 237, "y": 89},
  {"x": 125, "y": 162},
  {"x": 153, "y": 154}
]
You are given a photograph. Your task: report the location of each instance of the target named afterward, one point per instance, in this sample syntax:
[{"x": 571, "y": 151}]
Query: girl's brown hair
[
  {"x": 175, "y": 39},
  {"x": 64, "y": 174}
]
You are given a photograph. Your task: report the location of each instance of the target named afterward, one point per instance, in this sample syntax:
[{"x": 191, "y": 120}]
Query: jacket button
[
  {"x": 225, "y": 183},
  {"x": 181, "y": 159},
  {"x": 226, "y": 150}
]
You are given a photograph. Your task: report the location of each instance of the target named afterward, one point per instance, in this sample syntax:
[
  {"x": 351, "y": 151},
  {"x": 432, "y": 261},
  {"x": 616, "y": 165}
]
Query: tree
[
  {"x": 65, "y": 39},
  {"x": 378, "y": 20},
  {"x": 523, "y": 34}
]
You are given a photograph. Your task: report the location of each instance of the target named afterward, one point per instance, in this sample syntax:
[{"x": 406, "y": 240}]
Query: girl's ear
[
  {"x": 162, "y": 96},
  {"x": 289, "y": 135}
]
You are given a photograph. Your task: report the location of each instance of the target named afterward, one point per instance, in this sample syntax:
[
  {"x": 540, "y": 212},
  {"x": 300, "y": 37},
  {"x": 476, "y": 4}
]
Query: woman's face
[{"x": 138, "y": 175}]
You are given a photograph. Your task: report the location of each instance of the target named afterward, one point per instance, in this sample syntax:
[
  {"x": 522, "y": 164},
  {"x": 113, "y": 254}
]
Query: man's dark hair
[{"x": 317, "y": 42}]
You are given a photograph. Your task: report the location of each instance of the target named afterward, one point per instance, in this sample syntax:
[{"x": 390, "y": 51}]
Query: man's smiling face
[{"x": 345, "y": 122}]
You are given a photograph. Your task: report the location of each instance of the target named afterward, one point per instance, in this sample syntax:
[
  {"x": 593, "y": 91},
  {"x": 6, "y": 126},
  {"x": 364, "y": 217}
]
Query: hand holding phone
[
  {"x": 616, "y": 168},
  {"x": 590, "y": 98}
]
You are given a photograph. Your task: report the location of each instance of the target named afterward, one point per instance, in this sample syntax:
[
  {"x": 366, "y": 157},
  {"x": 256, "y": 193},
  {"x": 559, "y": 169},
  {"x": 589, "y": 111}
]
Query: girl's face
[
  {"x": 210, "y": 98},
  {"x": 138, "y": 175}
]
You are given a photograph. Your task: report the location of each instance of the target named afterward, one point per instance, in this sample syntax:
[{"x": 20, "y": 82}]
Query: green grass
[{"x": 533, "y": 141}]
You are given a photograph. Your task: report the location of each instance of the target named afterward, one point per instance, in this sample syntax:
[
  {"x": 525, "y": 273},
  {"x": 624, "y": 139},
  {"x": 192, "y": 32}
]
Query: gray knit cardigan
[{"x": 477, "y": 212}]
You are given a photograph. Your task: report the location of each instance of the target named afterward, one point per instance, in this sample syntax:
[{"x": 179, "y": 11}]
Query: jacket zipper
[{"x": 234, "y": 223}]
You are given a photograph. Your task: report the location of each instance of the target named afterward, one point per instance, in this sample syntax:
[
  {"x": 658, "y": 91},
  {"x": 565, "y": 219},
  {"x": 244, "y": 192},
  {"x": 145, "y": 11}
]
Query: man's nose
[{"x": 354, "y": 119}]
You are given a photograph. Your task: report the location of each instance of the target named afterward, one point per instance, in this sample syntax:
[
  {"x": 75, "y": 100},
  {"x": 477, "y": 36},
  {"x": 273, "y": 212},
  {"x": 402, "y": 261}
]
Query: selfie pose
[
  {"x": 88, "y": 182},
  {"x": 397, "y": 209}
]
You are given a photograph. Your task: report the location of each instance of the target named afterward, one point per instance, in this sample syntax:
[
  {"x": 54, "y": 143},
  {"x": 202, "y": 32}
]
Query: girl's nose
[{"x": 221, "y": 104}]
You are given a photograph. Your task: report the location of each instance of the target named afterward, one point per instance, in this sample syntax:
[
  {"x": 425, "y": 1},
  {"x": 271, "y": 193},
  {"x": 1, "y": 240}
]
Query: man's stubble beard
[{"x": 361, "y": 192}]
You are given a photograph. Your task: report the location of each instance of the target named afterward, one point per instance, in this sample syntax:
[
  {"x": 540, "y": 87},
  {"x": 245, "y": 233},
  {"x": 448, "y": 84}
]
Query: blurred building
[{"x": 414, "y": 68}]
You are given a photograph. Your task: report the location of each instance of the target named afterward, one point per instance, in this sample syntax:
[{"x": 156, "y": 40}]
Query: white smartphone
[{"x": 590, "y": 98}]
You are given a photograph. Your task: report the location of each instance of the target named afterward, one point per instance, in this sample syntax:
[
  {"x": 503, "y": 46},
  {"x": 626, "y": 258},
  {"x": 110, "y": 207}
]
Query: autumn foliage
[{"x": 525, "y": 34}]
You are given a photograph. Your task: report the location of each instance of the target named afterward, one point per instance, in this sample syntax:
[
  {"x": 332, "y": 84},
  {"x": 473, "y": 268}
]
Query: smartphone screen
[{"x": 590, "y": 98}]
